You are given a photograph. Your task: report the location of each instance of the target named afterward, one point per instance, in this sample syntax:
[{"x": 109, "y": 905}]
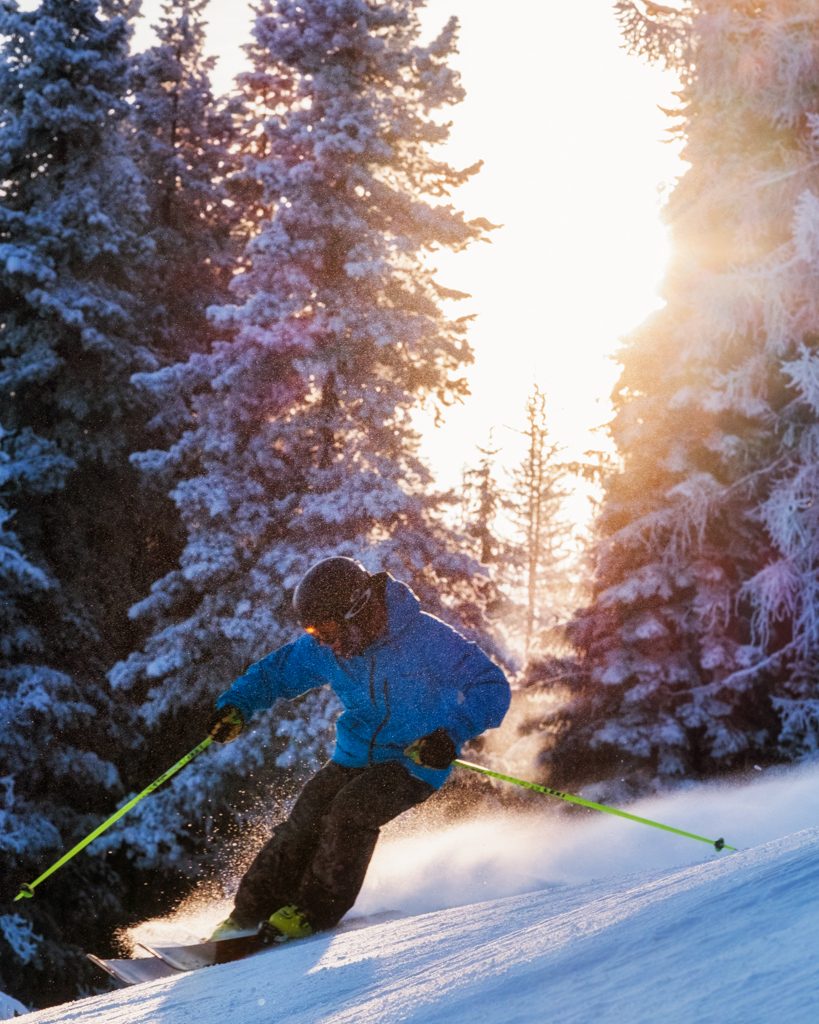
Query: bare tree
[{"x": 538, "y": 494}]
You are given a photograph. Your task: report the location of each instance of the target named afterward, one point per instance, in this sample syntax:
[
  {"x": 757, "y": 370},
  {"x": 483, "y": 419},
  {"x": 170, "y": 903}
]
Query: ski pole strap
[
  {"x": 27, "y": 889},
  {"x": 718, "y": 844}
]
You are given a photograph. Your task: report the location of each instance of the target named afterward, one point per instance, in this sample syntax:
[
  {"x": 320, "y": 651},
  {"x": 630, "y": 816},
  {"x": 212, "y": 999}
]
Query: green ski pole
[
  {"x": 718, "y": 844},
  {"x": 27, "y": 889}
]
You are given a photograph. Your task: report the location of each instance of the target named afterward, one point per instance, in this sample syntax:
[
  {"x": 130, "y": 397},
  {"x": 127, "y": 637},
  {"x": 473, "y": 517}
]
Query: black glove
[
  {"x": 435, "y": 750},
  {"x": 225, "y": 724}
]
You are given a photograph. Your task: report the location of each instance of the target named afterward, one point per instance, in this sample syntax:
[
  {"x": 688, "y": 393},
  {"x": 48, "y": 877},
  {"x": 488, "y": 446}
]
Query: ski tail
[{"x": 134, "y": 971}]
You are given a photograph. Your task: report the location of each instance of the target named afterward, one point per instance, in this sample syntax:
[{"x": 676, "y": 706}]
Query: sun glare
[
  {"x": 571, "y": 136},
  {"x": 569, "y": 128}
]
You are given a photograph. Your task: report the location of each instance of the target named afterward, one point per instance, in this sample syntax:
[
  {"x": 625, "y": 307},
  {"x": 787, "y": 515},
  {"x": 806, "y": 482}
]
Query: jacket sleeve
[
  {"x": 483, "y": 695},
  {"x": 286, "y": 672}
]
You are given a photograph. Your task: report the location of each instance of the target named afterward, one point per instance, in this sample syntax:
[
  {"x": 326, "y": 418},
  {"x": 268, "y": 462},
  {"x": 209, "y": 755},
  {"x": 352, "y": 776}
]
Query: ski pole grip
[{"x": 26, "y": 892}]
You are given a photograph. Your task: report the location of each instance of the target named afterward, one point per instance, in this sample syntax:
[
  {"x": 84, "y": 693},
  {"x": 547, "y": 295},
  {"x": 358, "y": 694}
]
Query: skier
[{"x": 413, "y": 692}]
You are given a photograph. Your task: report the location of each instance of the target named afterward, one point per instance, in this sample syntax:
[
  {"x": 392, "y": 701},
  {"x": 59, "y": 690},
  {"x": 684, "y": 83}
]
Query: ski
[
  {"x": 170, "y": 961},
  {"x": 207, "y": 954},
  {"x": 134, "y": 971}
]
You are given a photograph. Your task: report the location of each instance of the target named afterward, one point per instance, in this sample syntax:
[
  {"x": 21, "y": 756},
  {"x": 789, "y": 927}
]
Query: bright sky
[{"x": 571, "y": 135}]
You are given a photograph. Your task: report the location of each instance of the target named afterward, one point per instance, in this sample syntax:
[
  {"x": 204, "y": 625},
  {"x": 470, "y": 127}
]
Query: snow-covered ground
[
  {"x": 10, "y": 1007},
  {"x": 543, "y": 919}
]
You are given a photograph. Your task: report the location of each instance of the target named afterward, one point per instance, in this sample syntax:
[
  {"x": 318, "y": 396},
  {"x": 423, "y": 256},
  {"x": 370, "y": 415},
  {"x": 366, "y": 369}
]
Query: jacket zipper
[{"x": 387, "y": 710}]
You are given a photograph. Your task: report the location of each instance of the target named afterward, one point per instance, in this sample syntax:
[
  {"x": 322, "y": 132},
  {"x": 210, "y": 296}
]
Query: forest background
[{"x": 222, "y": 329}]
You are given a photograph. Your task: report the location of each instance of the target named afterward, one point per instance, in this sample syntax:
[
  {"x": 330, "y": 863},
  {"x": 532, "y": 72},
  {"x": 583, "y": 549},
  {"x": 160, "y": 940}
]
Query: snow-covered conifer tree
[
  {"x": 71, "y": 220},
  {"x": 301, "y": 442},
  {"x": 181, "y": 141},
  {"x": 182, "y": 144},
  {"x": 481, "y": 504},
  {"x": 50, "y": 774},
  {"x": 700, "y": 645},
  {"x": 75, "y": 535}
]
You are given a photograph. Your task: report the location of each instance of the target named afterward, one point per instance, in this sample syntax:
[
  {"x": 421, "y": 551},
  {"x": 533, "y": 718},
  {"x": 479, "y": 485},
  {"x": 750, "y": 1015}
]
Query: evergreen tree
[
  {"x": 74, "y": 532},
  {"x": 485, "y": 527},
  {"x": 182, "y": 140},
  {"x": 700, "y": 644},
  {"x": 50, "y": 776},
  {"x": 481, "y": 505},
  {"x": 300, "y": 442},
  {"x": 71, "y": 223}
]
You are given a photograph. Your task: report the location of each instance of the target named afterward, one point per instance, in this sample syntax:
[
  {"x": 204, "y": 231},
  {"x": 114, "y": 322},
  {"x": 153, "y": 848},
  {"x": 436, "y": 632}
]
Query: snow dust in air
[
  {"x": 421, "y": 865},
  {"x": 502, "y": 855}
]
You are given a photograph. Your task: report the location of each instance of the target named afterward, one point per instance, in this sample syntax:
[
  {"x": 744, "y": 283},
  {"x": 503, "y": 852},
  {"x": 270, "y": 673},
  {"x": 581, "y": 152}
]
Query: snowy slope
[
  {"x": 588, "y": 920},
  {"x": 10, "y": 1007},
  {"x": 731, "y": 940}
]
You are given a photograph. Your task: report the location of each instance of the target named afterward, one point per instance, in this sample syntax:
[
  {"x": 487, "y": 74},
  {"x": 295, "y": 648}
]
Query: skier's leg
[
  {"x": 349, "y": 834},
  {"x": 273, "y": 878}
]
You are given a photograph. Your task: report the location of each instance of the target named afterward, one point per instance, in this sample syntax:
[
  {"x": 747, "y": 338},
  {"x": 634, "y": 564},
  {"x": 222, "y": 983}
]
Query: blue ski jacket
[{"x": 418, "y": 676}]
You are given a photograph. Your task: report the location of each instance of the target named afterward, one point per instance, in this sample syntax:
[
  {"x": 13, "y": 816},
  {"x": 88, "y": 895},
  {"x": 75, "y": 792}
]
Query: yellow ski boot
[
  {"x": 230, "y": 928},
  {"x": 290, "y": 923}
]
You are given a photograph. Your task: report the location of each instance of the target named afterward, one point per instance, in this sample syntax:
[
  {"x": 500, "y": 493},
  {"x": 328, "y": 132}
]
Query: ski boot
[
  {"x": 231, "y": 928},
  {"x": 287, "y": 923}
]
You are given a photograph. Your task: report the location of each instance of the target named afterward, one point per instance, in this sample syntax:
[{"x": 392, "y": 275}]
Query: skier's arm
[
  {"x": 286, "y": 672},
  {"x": 483, "y": 695}
]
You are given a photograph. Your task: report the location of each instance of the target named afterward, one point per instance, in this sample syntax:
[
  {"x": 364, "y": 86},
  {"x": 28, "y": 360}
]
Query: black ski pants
[{"x": 318, "y": 857}]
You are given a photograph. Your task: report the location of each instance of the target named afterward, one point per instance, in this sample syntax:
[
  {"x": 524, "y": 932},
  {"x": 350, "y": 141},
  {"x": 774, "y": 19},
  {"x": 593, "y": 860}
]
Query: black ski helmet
[{"x": 329, "y": 590}]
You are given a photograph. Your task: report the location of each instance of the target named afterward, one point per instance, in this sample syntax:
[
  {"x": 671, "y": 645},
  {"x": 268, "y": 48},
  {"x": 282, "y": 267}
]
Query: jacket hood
[{"x": 403, "y": 607}]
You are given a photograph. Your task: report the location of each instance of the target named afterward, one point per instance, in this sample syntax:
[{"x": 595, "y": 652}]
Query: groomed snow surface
[{"x": 541, "y": 919}]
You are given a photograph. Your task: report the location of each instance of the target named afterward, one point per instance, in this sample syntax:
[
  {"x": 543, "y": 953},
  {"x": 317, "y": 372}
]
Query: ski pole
[
  {"x": 27, "y": 889},
  {"x": 718, "y": 844}
]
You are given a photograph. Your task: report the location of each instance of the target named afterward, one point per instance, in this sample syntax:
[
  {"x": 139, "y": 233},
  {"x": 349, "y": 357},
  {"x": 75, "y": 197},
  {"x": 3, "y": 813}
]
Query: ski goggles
[
  {"x": 328, "y": 633},
  {"x": 334, "y": 632}
]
